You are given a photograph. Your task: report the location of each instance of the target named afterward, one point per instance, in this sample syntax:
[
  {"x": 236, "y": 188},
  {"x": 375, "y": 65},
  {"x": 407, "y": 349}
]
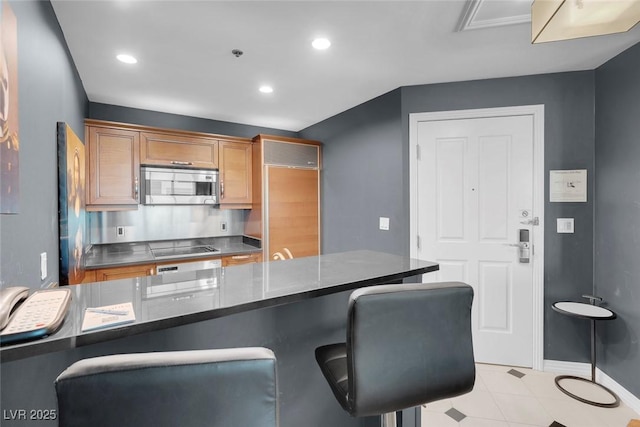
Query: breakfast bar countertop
[
  {"x": 166, "y": 301},
  {"x": 126, "y": 254}
]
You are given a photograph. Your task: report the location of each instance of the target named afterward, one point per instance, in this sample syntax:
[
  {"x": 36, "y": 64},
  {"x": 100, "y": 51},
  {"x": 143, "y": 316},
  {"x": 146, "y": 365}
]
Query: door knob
[
  {"x": 524, "y": 246},
  {"x": 515, "y": 245}
]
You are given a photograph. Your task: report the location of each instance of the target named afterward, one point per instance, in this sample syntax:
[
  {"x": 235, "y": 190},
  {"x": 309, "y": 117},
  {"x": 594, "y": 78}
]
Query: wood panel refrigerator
[{"x": 286, "y": 212}]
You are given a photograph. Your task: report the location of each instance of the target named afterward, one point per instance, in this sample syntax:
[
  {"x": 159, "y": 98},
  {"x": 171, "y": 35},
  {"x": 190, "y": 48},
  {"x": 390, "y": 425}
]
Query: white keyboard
[{"x": 40, "y": 315}]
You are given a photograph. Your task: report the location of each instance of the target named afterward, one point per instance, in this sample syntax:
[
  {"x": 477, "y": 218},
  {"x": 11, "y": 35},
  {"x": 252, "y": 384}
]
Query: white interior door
[{"x": 474, "y": 195}]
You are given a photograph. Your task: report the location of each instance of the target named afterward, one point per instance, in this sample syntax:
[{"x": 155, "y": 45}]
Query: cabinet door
[
  {"x": 114, "y": 165},
  {"x": 240, "y": 259},
  {"x": 293, "y": 216},
  {"x": 89, "y": 276},
  {"x": 235, "y": 174},
  {"x": 128, "y": 272},
  {"x": 175, "y": 150}
]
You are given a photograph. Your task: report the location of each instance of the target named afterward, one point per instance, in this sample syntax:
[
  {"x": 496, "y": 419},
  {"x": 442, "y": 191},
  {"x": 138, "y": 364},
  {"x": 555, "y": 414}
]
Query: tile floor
[{"x": 517, "y": 397}]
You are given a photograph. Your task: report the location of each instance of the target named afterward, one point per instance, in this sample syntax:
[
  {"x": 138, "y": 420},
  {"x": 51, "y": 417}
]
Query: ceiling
[{"x": 185, "y": 65}]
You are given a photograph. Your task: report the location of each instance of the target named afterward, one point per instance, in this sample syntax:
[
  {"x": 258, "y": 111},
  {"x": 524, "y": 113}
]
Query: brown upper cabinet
[
  {"x": 167, "y": 149},
  {"x": 113, "y": 167},
  {"x": 235, "y": 174}
]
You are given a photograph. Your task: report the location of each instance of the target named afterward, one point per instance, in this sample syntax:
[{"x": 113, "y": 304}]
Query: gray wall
[
  {"x": 617, "y": 210},
  {"x": 366, "y": 156},
  {"x": 117, "y": 113},
  {"x": 362, "y": 177},
  {"x": 50, "y": 91}
]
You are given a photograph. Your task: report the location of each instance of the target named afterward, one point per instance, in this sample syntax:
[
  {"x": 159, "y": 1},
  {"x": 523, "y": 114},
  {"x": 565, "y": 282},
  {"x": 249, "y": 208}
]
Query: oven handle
[
  {"x": 168, "y": 269},
  {"x": 188, "y": 266}
]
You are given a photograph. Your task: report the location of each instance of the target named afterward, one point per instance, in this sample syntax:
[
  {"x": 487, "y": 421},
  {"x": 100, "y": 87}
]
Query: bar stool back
[
  {"x": 406, "y": 345},
  {"x": 227, "y": 387}
]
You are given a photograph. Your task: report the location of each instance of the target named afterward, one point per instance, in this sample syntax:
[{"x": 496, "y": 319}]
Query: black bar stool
[
  {"x": 593, "y": 313},
  {"x": 228, "y": 387},
  {"x": 406, "y": 345}
]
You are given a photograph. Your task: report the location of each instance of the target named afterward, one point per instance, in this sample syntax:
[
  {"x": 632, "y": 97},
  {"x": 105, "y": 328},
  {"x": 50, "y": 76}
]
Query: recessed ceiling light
[
  {"x": 127, "y": 59},
  {"x": 321, "y": 43},
  {"x": 266, "y": 89}
]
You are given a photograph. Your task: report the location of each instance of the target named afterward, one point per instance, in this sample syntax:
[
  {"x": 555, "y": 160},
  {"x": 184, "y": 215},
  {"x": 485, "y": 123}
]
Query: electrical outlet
[
  {"x": 119, "y": 231},
  {"x": 43, "y": 265},
  {"x": 223, "y": 226}
]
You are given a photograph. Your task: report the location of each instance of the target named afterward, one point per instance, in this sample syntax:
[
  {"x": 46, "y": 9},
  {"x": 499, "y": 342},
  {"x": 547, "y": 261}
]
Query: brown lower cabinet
[
  {"x": 131, "y": 271},
  {"x": 115, "y": 273},
  {"x": 89, "y": 277},
  {"x": 228, "y": 261}
]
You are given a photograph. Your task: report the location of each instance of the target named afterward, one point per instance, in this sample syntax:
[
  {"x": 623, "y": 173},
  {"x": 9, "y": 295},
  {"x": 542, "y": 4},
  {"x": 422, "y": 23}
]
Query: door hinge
[
  {"x": 418, "y": 241},
  {"x": 418, "y": 152}
]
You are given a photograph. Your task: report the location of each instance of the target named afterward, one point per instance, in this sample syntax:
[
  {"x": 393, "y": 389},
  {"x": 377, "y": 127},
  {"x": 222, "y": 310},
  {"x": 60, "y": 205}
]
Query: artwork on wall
[
  {"x": 9, "y": 137},
  {"x": 71, "y": 205}
]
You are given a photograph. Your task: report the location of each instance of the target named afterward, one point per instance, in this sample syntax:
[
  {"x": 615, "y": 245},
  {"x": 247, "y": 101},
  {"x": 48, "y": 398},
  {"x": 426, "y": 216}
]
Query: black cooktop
[{"x": 182, "y": 251}]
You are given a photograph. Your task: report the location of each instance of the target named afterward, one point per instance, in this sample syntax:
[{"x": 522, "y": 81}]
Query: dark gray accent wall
[
  {"x": 49, "y": 91},
  {"x": 137, "y": 116},
  {"x": 363, "y": 177},
  {"x": 617, "y": 210},
  {"x": 366, "y": 175}
]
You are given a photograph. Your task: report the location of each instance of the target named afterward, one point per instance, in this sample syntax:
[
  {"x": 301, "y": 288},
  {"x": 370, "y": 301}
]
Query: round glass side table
[{"x": 593, "y": 313}]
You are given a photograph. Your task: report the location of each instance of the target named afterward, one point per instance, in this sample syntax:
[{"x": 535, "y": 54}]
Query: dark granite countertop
[
  {"x": 166, "y": 301},
  {"x": 124, "y": 254}
]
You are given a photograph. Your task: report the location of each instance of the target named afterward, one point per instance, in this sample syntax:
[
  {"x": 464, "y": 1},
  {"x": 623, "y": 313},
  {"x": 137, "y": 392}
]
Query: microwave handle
[{"x": 221, "y": 188}]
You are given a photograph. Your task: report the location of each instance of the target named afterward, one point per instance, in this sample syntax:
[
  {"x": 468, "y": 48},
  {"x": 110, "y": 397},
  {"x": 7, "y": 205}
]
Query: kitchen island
[{"x": 289, "y": 306}]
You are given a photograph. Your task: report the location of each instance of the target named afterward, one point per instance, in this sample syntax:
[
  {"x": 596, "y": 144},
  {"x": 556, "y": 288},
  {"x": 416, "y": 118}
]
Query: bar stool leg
[
  {"x": 557, "y": 380},
  {"x": 389, "y": 420},
  {"x": 593, "y": 350}
]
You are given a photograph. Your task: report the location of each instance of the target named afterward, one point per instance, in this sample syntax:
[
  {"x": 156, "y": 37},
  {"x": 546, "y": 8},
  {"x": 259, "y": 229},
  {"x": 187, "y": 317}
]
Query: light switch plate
[
  {"x": 384, "y": 223},
  {"x": 565, "y": 225}
]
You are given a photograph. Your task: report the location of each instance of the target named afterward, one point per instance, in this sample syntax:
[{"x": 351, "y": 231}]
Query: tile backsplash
[{"x": 150, "y": 223}]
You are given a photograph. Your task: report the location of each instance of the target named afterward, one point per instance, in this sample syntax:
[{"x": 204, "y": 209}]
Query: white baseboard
[
  {"x": 567, "y": 368},
  {"x": 584, "y": 370},
  {"x": 625, "y": 395}
]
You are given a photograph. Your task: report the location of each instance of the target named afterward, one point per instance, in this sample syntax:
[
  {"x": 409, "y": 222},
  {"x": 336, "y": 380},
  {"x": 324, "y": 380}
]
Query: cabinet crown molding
[{"x": 168, "y": 131}]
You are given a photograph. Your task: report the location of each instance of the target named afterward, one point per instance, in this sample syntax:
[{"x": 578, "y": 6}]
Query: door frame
[{"x": 537, "y": 112}]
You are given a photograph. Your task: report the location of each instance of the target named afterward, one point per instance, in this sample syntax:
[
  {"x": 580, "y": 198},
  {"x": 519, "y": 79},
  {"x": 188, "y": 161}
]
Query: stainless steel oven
[{"x": 182, "y": 288}]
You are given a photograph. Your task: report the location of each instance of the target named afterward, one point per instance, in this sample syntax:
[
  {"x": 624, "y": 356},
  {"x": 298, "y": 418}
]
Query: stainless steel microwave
[{"x": 169, "y": 186}]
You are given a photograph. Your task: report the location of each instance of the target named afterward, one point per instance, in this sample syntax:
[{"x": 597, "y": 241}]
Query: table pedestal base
[{"x": 614, "y": 404}]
